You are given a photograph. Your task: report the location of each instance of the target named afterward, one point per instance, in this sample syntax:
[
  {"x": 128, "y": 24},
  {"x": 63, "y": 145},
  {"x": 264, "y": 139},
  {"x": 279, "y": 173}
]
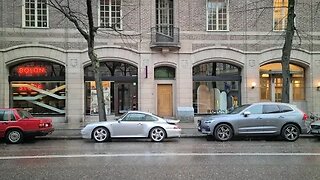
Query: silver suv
[{"x": 257, "y": 119}]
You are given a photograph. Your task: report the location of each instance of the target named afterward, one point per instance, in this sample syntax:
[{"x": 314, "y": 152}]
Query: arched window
[
  {"x": 216, "y": 87},
  {"x": 271, "y": 82},
  {"x": 164, "y": 72},
  {"x": 38, "y": 86},
  {"x": 120, "y": 87}
]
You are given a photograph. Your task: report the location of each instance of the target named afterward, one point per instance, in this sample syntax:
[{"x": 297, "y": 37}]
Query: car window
[
  {"x": 1, "y": 115},
  {"x": 270, "y": 108},
  {"x": 24, "y": 114},
  {"x": 256, "y": 109},
  {"x": 239, "y": 109},
  {"x": 10, "y": 115},
  {"x": 135, "y": 117},
  {"x": 150, "y": 118},
  {"x": 285, "y": 108},
  {"x": 7, "y": 115}
]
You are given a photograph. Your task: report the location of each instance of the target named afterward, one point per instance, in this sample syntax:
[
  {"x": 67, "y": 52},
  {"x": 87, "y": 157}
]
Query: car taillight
[
  {"x": 176, "y": 127},
  {"x": 305, "y": 117},
  {"x": 44, "y": 125}
]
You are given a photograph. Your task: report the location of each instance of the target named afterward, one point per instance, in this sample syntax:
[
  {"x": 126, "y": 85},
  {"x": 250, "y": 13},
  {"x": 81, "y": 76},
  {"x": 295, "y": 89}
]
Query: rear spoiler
[{"x": 171, "y": 121}]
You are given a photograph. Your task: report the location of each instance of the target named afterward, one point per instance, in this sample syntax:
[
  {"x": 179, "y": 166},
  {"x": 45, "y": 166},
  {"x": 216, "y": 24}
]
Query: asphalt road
[{"x": 193, "y": 158}]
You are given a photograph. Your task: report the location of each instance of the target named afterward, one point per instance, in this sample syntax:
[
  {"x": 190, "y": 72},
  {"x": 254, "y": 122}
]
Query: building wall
[{"x": 249, "y": 43}]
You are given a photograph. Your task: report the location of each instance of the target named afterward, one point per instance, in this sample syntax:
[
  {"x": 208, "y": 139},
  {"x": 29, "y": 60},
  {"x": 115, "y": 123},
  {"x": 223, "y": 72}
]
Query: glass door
[{"x": 278, "y": 89}]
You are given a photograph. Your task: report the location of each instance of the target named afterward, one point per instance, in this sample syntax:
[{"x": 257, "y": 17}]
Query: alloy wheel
[
  {"x": 223, "y": 132},
  {"x": 157, "y": 134},
  {"x": 100, "y": 134},
  {"x": 290, "y": 132}
]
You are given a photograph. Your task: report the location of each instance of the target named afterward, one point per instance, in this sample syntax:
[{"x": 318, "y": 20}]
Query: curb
[{"x": 182, "y": 136}]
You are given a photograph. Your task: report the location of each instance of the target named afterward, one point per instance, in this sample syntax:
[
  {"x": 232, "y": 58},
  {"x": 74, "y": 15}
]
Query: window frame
[
  {"x": 110, "y": 12},
  {"x": 217, "y": 17},
  {"x": 282, "y": 8},
  {"x": 165, "y": 17},
  {"x": 35, "y": 15}
]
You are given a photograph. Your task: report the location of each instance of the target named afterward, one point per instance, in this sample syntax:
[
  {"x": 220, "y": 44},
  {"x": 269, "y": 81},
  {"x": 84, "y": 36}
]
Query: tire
[
  {"x": 290, "y": 132},
  {"x": 100, "y": 134},
  {"x": 14, "y": 136},
  {"x": 157, "y": 134},
  {"x": 223, "y": 132}
]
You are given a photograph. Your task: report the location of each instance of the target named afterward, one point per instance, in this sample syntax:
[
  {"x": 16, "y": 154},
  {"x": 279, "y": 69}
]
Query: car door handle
[
  {"x": 139, "y": 124},
  {"x": 5, "y": 123},
  {"x": 281, "y": 117},
  {"x": 259, "y": 118}
]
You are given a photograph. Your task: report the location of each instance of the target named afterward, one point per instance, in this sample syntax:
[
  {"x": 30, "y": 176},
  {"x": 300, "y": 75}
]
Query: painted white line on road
[{"x": 155, "y": 155}]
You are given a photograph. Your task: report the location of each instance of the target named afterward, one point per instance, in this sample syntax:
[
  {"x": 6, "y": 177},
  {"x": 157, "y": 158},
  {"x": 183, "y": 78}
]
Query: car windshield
[
  {"x": 122, "y": 116},
  {"x": 24, "y": 114},
  {"x": 239, "y": 109}
]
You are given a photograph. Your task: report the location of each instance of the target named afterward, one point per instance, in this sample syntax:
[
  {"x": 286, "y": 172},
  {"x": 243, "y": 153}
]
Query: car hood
[{"x": 219, "y": 116}]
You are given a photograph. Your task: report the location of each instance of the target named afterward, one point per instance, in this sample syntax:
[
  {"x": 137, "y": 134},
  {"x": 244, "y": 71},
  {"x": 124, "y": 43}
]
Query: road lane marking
[{"x": 154, "y": 155}]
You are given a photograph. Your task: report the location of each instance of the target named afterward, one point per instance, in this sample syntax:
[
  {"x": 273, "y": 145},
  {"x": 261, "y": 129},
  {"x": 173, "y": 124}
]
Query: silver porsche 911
[{"x": 133, "y": 124}]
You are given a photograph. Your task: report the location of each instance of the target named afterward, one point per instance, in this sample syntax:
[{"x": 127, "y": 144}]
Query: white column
[{"x": 75, "y": 109}]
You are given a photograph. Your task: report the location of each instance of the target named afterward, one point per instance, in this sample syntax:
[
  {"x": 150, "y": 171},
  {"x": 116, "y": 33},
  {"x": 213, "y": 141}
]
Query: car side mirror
[
  {"x": 246, "y": 113},
  {"x": 119, "y": 120}
]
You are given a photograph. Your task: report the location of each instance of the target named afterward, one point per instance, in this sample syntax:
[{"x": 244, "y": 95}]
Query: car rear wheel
[
  {"x": 157, "y": 134},
  {"x": 14, "y": 136},
  {"x": 290, "y": 132},
  {"x": 100, "y": 134},
  {"x": 223, "y": 132}
]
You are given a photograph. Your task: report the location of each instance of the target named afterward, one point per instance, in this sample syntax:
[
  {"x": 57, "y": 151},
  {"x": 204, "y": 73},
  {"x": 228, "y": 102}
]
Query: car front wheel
[
  {"x": 223, "y": 132},
  {"x": 14, "y": 136},
  {"x": 157, "y": 134},
  {"x": 100, "y": 134},
  {"x": 290, "y": 132}
]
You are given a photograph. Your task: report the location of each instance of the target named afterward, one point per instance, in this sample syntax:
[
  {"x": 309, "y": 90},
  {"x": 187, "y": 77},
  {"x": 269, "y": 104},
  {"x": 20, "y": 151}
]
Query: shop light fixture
[{"x": 253, "y": 85}]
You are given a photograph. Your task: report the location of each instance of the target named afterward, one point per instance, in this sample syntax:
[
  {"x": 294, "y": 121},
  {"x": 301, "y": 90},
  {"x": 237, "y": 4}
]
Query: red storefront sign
[
  {"x": 27, "y": 89},
  {"x": 31, "y": 71}
]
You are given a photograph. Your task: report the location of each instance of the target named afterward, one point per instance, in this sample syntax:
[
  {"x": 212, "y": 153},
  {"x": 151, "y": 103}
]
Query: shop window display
[
  {"x": 39, "y": 87},
  {"x": 271, "y": 82},
  {"x": 119, "y": 81},
  {"x": 216, "y": 88}
]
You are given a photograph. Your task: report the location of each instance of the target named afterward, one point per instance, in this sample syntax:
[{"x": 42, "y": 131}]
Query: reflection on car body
[
  {"x": 266, "y": 118},
  {"x": 133, "y": 124}
]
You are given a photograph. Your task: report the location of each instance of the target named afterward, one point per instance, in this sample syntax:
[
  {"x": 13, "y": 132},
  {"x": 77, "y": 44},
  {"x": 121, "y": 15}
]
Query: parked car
[
  {"x": 133, "y": 124},
  {"x": 257, "y": 119},
  {"x": 15, "y": 124}
]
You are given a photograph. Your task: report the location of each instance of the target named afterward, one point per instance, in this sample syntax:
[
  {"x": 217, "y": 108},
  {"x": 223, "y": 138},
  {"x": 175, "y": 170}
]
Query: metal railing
[{"x": 165, "y": 36}]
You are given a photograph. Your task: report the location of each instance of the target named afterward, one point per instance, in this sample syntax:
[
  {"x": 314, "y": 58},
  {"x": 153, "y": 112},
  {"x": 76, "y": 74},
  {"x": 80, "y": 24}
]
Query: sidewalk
[{"x": 72, "y": 131}]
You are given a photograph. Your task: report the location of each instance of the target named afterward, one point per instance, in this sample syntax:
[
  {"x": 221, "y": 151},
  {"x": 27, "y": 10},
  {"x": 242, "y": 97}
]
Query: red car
[{"x": 15, "y": 124}]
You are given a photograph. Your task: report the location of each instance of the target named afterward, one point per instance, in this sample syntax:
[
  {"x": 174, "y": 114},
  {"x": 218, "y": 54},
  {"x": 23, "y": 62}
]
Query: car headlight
[{"x": 209, "y": 121}]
